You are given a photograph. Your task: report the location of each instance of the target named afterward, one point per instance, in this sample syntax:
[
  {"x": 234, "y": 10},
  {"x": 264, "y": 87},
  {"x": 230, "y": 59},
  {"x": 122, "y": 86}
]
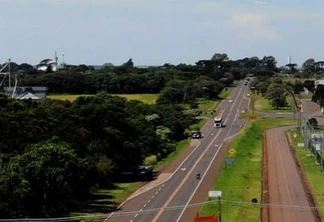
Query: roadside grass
[
  {"x": 251, "y": 113},
  {"x": 104, "y": 200},
  {"x": 145, "y": 98},
  {"x": 225, "y": 93},
  {"x": 208, "y": 106},
  {"x": 305, "y": 96},
  {"x": 262, "y": 104},
  {"x": 198, "y": 125},
  {"x": 181, "y": 146},
  {"x": 312, "y": 171},
  {"x": 241, "y": 182}
]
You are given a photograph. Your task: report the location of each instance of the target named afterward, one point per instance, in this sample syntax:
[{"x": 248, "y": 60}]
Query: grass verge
[
  {"x": 104, "y": 200},
  {"x": 241, "y": 181},
  {"x": 181, "y": 146}
]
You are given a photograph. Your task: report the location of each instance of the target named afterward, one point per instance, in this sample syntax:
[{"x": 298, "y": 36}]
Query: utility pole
[{"x": 220, "y": 208}]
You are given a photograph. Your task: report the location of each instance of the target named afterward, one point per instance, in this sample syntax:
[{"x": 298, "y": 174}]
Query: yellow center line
[{"x": 183, "y": 181}]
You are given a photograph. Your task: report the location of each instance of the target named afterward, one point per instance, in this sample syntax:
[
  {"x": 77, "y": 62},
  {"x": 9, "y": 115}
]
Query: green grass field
[
  {"x": 262, "y": 104},
  {"x": 241, "y": 181},
  {"x": 145, "y": 98},
  {"x": 65, "y": 97}
]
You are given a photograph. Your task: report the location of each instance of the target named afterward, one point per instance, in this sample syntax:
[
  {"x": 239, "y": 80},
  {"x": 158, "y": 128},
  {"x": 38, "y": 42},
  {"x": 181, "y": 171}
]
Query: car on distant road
[
  {"x": 196, "y": 134},
  {"x": 230, "y": 100}
]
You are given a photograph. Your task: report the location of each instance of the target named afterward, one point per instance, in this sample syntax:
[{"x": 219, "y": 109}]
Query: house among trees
[
  {"x": 47, "y": 65},
  {"x": 319, "y": 82},
  {"x": 27, "y": 92}
]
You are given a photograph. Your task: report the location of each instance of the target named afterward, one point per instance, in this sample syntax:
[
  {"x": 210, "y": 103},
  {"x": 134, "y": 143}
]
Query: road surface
[
  {"x": 169, "y": 199},
  {"x": 286, "y": 195}
]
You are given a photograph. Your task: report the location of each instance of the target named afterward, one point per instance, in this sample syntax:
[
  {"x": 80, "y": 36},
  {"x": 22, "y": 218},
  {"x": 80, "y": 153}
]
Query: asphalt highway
[{"x": 169, "y": 200}]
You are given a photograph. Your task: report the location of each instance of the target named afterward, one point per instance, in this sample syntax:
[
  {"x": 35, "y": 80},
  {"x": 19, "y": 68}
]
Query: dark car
[{"x": 196, "y": 135}]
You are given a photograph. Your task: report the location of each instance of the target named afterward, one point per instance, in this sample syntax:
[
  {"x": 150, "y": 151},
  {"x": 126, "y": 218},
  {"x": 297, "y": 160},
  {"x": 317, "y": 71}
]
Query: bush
[{"x": 151, "y": 160}]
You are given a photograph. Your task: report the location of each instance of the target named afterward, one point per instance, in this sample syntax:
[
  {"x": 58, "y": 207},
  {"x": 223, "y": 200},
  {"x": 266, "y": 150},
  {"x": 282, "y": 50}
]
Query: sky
[{"x": 155, "y": 32}]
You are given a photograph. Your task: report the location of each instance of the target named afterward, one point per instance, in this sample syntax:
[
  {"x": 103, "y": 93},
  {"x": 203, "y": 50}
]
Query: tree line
[{"x": 54, "y": 153}]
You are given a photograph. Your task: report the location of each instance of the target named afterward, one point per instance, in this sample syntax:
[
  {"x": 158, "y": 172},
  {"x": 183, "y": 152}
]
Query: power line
[{"x": 171, "y": 208}]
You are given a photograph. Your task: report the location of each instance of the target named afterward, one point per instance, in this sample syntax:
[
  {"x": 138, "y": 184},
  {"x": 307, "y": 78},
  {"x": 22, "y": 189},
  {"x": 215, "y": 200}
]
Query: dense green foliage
[
  {"x": 175, "y": 83},
  {"x": 54, "y": 151}
]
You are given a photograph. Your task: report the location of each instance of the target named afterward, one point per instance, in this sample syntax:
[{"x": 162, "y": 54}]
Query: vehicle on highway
[
  {"x": 198, "y": 176},
  {"x": 196, "y": 134},
  {"x": 219, "y": 122},
  {"x": 230, "y": 100}
]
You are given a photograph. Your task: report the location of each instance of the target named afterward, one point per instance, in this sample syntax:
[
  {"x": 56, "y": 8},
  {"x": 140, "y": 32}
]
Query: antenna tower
[{"x": 5, "y": 74}]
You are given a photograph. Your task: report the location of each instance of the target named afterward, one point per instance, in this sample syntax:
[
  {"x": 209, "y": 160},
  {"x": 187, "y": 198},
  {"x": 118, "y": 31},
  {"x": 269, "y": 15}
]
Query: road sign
[
  {"x": 215, "y": 193},
  {"x": 229, "y": 161},
  {"x": 231, "y": 151}
]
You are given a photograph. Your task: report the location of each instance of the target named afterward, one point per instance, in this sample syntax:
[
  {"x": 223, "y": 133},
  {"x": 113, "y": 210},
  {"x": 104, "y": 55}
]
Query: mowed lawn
[{"x": 145, "y": 98}]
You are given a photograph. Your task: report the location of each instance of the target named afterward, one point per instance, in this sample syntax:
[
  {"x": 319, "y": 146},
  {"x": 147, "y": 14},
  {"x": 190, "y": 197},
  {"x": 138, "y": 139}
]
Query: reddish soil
[{"x": 286, "y": 194}]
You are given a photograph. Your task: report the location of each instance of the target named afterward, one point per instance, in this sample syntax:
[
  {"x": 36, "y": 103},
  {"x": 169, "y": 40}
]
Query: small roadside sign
[
  {"x": 229, "y": 161},
  {"x": 215, "y": 193},
  {"x": 231, "y": 151}
]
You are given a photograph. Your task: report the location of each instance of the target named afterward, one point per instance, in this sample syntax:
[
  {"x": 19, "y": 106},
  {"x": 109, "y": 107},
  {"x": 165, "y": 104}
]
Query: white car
[{"x": 230, "y": 101}]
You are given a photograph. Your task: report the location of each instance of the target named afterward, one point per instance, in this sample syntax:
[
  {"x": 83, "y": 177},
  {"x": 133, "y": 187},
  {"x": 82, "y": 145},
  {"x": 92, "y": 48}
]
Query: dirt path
[{"x": 285, "y": 191}]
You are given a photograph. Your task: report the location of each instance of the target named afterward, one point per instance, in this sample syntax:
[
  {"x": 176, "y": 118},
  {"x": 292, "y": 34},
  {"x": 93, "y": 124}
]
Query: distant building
[
  {"x": 47, "y": 65},
  {"x": 319, "y": 82},
  {"x": 28, "y": 92}
]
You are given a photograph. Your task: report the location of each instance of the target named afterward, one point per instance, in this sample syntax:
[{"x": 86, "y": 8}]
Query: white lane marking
[{"x": 209, "y": 165}]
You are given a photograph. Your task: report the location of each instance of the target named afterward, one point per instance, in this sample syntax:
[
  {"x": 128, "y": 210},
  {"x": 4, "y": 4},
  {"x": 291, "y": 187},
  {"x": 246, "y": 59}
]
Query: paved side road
[{"x": 285, "y": 189}]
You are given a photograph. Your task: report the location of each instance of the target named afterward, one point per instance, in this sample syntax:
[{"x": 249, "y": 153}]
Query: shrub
[{"x": 151, "y": 160}]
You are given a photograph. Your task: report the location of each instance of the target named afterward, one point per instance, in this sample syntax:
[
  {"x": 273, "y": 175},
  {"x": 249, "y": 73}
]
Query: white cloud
[
  {"x": 260, "y": 2},
  {"x": 254, "y": 27}
]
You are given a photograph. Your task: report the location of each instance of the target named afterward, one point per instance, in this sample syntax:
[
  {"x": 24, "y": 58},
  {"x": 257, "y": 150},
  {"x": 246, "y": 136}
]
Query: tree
[
  {"x": 292, "y": 67},
  {"x": 269, "y": 62},
  {"x": 42, "y": 182},
  {"x": 310, "y": 85},
  {"x": 318, "y": 95},
  {"x": 220, "y": 57},
  {"x": 277, "y": 93},
  {"x": 308, "y": 67},
  {"x": 128, "y": 64}
]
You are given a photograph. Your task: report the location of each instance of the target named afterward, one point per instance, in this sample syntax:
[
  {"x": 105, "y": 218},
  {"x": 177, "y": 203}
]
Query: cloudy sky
[{"x": 154, "y": 32}]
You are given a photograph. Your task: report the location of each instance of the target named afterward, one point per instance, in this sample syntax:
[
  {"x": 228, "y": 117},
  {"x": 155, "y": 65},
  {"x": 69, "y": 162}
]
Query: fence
[{"x": 314, "y": 142}]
